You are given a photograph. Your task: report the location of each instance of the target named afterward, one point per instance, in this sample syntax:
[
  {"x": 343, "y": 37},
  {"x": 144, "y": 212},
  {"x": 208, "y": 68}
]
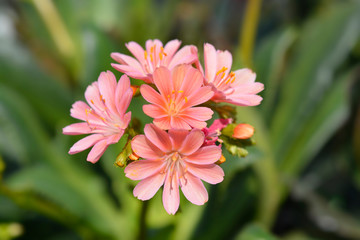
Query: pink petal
[
  {"x": 79, "y": 109},
  {"x": 171, "y": 197},
  {"x": 163, "y": 123},
  {"x": 187, "y": 55},
  {"x": 163, "y": 81},
  {"x": 192, "y": 142},
  {"x": 143, "y": 168},
  {"x": 245, "y": 100},
  {"x": 124, "y": 59},
  {"x": 137, "y": 51},
  {"x": 249, "y": 88},
  {"x": 77, "y": 128},
  {"x": 224, "y": 59},
  {"x": 177, "y": 137},
  {"x": 219, "y": 124},
  {"x": 178, "y": 75},
  {"x": 124, "y": 102},
  {"x": 92, "y": 96},
  {"x": 85, "y": 143},
  {"x": 193, "y": 122},
  {"x": 192, "y": 81},
  {"x": 122, "y": 94},
  {"x": 244, "y": 76},
  {"x": 198, "y": 113},
  {"x": 107, "y": 85},
  {"x": 97, "y": 151},
  {"x": 158, "y": 137},
  {"x": 99, "y": 148},
  {"x": 147, "y": 188},
  {"x": 154, "y": 111},
  {"x": 129, "y": 70},
  {"x": 210, "y": 173},
  {"x": 193, "y": 189},
  {"x": 144, "y": 148},
  {"x": 150, "y": 95},
  {"x": 179, "y": 123},
  {"x": 210, "y": 61},
  {"x": 170, "y": 49},
  {"x": 200, "y": 96},
  {"x": 205, "y": 155}
]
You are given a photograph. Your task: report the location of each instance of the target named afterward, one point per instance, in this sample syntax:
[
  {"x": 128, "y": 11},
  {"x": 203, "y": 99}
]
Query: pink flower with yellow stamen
[
  {"x": 174, "y": 159},
  {"x": 146, "y": 61},
  {"x": 238, "y": 87},
  {"x": 105, "y": 119},
  {"x": 180, "y": 90}
]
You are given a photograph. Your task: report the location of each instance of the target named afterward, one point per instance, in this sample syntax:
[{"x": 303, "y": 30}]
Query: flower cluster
[{"x": 177, "y": 150}]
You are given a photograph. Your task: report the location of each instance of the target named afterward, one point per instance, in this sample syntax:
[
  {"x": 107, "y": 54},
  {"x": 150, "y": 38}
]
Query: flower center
[
  {"x": 222, "y": 79},
  {"x": 175, "y": 102},
  {"x": 153, "y": 59}
]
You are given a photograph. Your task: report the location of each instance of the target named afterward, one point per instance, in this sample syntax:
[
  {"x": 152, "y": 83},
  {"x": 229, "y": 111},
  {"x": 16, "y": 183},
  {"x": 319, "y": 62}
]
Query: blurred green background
[{"x": 300, "y": 181}]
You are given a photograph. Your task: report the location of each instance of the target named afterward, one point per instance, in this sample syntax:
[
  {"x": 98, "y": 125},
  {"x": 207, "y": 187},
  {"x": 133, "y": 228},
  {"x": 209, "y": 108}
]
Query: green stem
[
  {"x": 143, "y": 214},
  {"x": 248, "y": 31}
]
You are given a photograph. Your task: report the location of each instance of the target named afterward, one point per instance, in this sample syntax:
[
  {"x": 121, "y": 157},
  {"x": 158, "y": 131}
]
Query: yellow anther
[
  {"x": 92, "y": 101},
  {"x": 173, "y": 91},
  {"x": 151, "y": 58},
  {"x": 223, "y": 69},
  {"x": 233, "y": 80},
  {"x": 227, "y": 81},
  {"x": 162, "y": 51},
  {"x": 223, "y": 75},
  {"x": 186, "y": 99},
  {"x": 168, "y": 96},
  {"x": 145, "y": 55},
  {"x": 180, "y": 91}
]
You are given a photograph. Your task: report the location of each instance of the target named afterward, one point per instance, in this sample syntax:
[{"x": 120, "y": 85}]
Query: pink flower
[
  {"x": 180, "y": 90},
  {"x": 174, "y": 159},
  {"x": 146, "y": 61},
  {"x": 214, "y": 131},
  {"x": 237, "y": 87},
  {"x": 105, "y": 119}
]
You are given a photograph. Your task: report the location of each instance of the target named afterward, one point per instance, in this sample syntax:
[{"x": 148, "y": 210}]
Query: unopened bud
[
  {"x": 221, "y": 160},
  {"x": 243, "y": 131},
  {"x": 133, "y": 156},
  {"x": 135, "y": 89}
]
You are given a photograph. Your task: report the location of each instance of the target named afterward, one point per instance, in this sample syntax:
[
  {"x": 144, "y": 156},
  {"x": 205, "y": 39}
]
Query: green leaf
[
  {"x": 270, "y": 61},
  {"x": 255, "y": 232},
  {"x": 331, "y": 112},
  {"x": 310, "y": 73},
  {"x": 230, "y": 205}
]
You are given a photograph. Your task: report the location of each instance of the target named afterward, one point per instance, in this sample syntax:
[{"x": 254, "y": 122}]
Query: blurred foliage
[{"x": 300, "y": 181}]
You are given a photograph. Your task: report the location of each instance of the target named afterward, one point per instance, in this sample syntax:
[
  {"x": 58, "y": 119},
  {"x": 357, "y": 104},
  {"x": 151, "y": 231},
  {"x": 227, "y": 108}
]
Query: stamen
[
  {"x": 92, "y": 101},
  {"x": 223, "y": 69},
  {"x": 180, "y": 91},
  {"x": 186, "y": 99},
  {"x": 162, "y": 51},
  {"x": 145, "y": 55}
]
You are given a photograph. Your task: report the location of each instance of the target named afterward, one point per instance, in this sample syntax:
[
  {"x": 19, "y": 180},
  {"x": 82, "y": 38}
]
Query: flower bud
[
  {"x": 243, "y": 131},
  {"x": 221, "y": 160}
]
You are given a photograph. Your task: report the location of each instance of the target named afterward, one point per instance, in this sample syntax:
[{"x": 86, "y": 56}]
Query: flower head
[
  {"x": 180, "y": 90},
  {"x": 154, "y": 56},
  {"x": 237, "y": 87},
  {"x": 105, "y": 119},
  {"x": 174, "y": 159}
]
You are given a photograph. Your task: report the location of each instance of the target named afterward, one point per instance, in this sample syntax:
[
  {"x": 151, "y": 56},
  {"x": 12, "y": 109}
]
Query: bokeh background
[{"x": 300, "y": 181}]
